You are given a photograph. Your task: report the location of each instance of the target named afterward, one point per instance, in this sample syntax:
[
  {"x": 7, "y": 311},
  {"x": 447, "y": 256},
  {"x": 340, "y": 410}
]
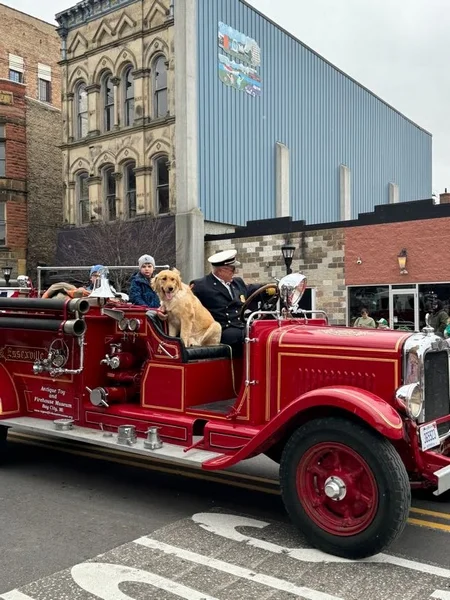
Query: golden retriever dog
[{"x": 186, "y": 316}]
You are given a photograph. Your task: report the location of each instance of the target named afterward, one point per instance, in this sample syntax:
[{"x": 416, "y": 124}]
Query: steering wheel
[{"x": 269, "y": 304}]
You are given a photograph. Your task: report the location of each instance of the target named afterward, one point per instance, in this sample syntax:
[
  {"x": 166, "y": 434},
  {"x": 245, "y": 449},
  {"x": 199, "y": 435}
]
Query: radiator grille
[{"x": 437, "y": 388}]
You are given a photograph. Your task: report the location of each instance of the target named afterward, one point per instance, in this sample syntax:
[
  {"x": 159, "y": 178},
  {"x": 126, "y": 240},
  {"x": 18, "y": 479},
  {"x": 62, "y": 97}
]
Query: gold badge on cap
[{"x": 242, "y": 298}]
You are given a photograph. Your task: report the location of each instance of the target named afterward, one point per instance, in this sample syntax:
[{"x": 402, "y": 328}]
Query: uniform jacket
[
  {"x": 141, "y": 293},
  {"x": 438, "y": 321},
  {"x": 217, "y": 299}
]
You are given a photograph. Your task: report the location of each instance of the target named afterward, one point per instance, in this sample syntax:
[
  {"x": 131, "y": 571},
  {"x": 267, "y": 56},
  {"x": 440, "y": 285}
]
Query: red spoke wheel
[{"x": 345, "y": 487}]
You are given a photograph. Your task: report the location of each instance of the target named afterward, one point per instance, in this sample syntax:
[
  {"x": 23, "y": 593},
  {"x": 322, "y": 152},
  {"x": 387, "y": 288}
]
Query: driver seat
[{"x": 177, "y": 349}]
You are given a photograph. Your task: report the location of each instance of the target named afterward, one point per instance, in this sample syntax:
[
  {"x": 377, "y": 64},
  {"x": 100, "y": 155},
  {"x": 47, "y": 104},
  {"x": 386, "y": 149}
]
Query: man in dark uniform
[{"x": 223, "y": 295}]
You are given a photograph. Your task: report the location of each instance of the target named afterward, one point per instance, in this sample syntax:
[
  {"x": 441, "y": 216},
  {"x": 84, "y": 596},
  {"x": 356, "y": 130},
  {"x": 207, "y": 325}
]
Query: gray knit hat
[{"x": 146, "y": 258}]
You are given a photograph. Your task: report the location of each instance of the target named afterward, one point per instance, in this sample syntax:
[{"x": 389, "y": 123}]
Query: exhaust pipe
[{"x": 75, "y": 327}]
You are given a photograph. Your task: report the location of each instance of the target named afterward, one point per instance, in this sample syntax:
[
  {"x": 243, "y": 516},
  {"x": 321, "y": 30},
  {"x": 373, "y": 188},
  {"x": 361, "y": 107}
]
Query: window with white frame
[
  {"x": 108, "y": 102},
  {"x": 128, "y": 95},
  {"x": 82, "y": 191},
  {"x": 162, "y": 185},
  {"x": 16, "y": 68},
  {"x": 2, "y": 150},
  {"x": 2, "y": 223},
  {"x": 109, "y": 186},
  {"x": 130, "y": 189},
  {"x": 81, "y": 110},
  {"x": 160, "y": 107},
  {"x": 44, "y": 83}
]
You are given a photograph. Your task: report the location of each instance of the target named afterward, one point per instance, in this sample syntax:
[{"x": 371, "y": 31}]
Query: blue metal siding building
[{"x": 325, "y": 119}]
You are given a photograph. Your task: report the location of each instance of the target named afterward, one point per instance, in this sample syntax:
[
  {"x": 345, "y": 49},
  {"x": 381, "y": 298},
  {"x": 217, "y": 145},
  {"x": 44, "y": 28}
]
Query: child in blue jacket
[{"x": 140, "y": 290}]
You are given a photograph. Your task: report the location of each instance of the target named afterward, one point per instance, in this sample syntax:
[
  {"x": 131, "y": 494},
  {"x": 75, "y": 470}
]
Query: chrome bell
[
  {"x": 102, "y": 289},
  {"x": 153, "y": 441},
  {"x": 126, "y": 435}
]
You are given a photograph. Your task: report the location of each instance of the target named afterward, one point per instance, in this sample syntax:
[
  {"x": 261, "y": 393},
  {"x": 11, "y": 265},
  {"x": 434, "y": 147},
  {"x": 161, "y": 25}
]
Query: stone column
[
  {"x": 69, "y": 116},
  {"x": 117, "y": 101},
  {"x": 70, "y": 207},
  {"x": 140, "y": 94},
  {"x": 95, "y": 198},
  {"x": 119, "y": 195},
  {"x": 93, "y": 100},
  {"x": 144, "y": 201}
]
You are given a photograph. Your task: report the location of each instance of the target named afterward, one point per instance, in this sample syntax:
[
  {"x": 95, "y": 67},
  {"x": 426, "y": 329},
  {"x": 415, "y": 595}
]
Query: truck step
[{"x": 169, "y": 452}]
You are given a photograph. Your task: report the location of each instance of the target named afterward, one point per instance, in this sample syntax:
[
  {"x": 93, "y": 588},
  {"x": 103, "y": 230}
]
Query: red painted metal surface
[
  {"x": 356, "y": 510},
  {"x": 297, "y": 369}
]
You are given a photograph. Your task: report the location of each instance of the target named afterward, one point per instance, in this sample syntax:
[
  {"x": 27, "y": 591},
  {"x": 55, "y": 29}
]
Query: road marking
[
  {"x": 225, "y": 525},
  {"x": 441, "y": 595},
  {"x": 15, "y": 595},
  {"x": 190, "y": 474},
  {"x": 103, "y": 580},
  {"x": 235, "y": 570}
]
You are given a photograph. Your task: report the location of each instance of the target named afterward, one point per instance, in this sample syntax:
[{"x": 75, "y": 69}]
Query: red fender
[
  {"x": 377, "y": 413},
  {"x": 9, "y": 398}
]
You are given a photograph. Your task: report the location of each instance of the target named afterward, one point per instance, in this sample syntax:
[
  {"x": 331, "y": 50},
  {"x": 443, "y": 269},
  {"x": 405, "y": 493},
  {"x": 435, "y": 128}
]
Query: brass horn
[{"x": 102, "y": 289}]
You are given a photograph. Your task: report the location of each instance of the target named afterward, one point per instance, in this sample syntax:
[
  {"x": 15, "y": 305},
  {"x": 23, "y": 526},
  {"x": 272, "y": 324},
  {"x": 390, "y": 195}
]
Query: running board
[{"x": 169, "y": 452}]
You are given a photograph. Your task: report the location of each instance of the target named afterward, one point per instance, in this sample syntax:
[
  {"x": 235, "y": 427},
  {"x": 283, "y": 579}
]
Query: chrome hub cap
[{"x": 335, "y": 488}]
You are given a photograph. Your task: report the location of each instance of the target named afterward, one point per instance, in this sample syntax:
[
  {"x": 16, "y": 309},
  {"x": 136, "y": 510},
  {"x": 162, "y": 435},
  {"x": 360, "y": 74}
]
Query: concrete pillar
[
  {"x": 283, "y": 207},
  {"x": 189, "y": 221},
  {"x": 345, "y": 193},
  {"x": 71, "y": 208}
]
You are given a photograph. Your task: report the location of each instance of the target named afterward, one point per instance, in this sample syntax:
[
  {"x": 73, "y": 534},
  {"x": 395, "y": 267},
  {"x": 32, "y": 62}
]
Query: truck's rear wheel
[
  {"x": 344, "y": 487},
  {"x": 3, "y": 437}
]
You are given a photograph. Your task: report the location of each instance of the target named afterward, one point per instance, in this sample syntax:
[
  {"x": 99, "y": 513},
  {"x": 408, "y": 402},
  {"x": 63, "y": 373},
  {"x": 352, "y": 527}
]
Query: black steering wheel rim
[{"x": 254, "y": 295}]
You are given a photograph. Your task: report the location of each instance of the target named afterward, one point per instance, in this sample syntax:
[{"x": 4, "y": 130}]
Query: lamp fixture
[
  {"x": 7, "y": 274},
  {"x": 402, "y": 257},
  {"x": 288, "y": 254}
]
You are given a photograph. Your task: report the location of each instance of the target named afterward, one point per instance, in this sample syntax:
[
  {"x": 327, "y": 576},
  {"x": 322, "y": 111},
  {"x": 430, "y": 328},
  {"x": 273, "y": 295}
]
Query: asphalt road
[{"x": 165, "y": 536}]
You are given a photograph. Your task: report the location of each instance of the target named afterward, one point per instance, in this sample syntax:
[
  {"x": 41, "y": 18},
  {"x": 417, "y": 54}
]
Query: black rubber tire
[
  {"x": 3, "y": 442},
  {"x": 388, "y": 470}
]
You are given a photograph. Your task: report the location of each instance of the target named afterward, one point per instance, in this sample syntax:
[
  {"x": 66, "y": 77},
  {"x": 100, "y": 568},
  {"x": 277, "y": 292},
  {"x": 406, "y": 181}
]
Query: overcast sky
[{"x": 399, "y": 49}]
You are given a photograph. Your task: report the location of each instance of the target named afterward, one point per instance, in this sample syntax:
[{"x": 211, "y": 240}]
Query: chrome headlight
[{"x": 411, "y": 397}]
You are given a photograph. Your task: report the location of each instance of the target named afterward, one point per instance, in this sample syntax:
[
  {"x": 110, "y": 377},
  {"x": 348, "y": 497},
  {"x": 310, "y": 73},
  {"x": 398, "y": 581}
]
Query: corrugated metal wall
[{"x": 324, "y": 118}]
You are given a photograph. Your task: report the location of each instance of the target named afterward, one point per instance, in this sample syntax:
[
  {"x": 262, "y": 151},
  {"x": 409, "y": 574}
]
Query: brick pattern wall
[
  {"x": 45, "y": 190},
  {"x": 13, "y": 188},
  {"x": 36, "y": 42},
  {"x": 319, "y": 255}
]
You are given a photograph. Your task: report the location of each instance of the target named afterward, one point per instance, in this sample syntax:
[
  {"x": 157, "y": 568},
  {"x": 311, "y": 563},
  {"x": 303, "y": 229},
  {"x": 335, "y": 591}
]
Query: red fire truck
[{"x": 355, "y": 417}]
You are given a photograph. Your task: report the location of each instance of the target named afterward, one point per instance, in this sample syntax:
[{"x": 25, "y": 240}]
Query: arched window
[
  {"x": 108, "y": 102},
  {"x": 109, "y": 186},
  {"x": 81, "y": 111},
  {"x": 160, "y": 88},
  {"x": 82, "y": 193},
  {"x": 162, "y": 185},
  {"x": 130, "y": 189},
  {"x": 128, "y": 95}
]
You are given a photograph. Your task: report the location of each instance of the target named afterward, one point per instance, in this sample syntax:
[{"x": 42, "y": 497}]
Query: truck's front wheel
[
  {"x": 344, "y": 487},
  {"x": 3, "y": 437}
]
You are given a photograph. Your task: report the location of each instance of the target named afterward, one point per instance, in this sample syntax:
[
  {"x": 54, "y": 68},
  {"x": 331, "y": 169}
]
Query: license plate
[{"x": 429, "y": 436}]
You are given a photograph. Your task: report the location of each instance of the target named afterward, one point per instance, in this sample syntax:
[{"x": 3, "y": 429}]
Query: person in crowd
[
  {"x": 382, "y": 324},
  {"x": 447, "y": 329},
  {"x": 223, "y": 295},
  {"x": 439, "y": 317},
  {"x": 365, "y": 320},
  {"x": 141, "y": 292},
  {"x": 94, "y": 274}
]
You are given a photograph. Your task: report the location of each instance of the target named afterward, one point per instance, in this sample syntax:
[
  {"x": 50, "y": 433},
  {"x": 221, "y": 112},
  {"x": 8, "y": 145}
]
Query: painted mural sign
[{"x": 239, "y": 60}]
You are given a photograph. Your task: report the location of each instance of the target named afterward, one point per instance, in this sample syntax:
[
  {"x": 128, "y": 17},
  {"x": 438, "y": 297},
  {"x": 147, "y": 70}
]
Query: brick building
[
  {"x": 30, "y": 126},
  {"x": 388, "y": 260}
]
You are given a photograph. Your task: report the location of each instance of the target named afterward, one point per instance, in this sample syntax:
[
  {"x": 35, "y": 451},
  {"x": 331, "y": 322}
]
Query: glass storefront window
[
  {"x": 442, "y": 292},
  {"x": 374, "y": 298}
]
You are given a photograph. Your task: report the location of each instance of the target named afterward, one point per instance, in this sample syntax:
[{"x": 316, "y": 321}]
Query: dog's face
[{"x": 166, "y": 284}]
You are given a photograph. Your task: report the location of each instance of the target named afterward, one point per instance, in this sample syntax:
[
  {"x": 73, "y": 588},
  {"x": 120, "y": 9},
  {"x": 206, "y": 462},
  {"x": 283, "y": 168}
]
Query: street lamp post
[
  {"x": 7, "y": 274},
  {"x": 288, "y": 254}
]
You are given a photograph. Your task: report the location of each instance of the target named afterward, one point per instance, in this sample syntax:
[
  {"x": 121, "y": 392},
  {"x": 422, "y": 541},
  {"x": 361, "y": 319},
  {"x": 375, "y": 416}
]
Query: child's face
[{"x": 147, "y": 270}]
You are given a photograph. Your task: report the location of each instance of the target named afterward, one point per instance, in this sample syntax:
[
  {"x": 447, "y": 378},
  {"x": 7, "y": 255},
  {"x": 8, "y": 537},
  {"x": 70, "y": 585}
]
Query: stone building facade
[
  {"x": 118, "y": 112},
  {"x": 30, "y": 125}
]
